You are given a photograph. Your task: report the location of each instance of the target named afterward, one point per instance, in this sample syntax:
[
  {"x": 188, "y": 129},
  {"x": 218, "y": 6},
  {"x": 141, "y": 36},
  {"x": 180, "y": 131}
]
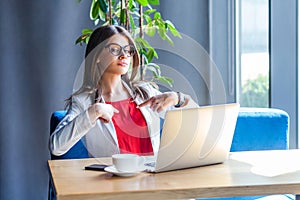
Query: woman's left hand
[{"x": 161, "y": 102}]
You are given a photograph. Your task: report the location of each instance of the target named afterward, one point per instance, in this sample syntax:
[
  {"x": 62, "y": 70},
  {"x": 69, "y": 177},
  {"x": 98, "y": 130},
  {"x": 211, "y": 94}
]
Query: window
[
  {"x": 276, "y": 21},
  {"x": 252, "y": 30}
]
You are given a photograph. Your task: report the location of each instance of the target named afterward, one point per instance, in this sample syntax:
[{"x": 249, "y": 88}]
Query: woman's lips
[{"x": 124, "y": 64}]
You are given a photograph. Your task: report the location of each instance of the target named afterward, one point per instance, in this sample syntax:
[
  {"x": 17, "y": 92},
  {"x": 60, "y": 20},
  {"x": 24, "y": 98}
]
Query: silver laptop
[{"x": 195, "y": 137}]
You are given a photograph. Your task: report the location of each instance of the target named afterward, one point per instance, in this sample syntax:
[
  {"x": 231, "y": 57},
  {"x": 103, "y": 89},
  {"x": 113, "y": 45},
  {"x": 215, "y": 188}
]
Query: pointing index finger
[{"x": 145, "y": 103}]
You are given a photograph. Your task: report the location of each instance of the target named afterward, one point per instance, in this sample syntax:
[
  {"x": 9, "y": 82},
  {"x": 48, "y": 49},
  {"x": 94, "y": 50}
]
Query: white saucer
[{"x": 114, "y": 171}]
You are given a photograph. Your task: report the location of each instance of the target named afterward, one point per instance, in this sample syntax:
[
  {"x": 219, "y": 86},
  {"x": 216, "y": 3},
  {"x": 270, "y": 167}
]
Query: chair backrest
[
  {"x": 256, "y": 129},
  {"x": 78, "y": 150},
  {"x": 261, "y": 129}
]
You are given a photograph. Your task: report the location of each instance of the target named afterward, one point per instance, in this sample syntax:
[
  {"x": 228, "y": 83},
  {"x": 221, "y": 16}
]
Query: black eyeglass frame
[{"x": 128, "y": 53}]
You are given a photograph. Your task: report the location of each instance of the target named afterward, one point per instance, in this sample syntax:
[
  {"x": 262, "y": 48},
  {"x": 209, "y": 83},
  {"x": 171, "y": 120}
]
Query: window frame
[{"x": 283, "y": 54}]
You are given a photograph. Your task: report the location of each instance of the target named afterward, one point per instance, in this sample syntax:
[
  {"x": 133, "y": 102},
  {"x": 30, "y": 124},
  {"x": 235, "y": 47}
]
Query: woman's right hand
[{"x": 101, "y": 111}]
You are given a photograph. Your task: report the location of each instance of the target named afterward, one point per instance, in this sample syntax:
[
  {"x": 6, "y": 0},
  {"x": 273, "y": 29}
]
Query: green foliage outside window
[{"x": 255, "y": 92}]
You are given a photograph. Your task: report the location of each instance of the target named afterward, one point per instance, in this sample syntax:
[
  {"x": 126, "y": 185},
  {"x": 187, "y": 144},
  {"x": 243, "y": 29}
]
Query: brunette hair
[{"x": 92, "y": 74}]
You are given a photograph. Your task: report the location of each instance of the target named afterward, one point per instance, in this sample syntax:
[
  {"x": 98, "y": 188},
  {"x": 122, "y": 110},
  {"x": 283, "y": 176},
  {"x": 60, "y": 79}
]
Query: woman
[{"x": 113, "y": 112}]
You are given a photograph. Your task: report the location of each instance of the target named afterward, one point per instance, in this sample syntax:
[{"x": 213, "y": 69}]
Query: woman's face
[{"x": 116, "y": 57}]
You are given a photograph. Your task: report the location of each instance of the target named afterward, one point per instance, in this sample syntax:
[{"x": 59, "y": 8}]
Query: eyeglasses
[{"x": 116, "y": 49}]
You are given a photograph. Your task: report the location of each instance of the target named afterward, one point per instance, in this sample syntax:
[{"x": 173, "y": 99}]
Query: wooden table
[{"x": 244, "y": 174}]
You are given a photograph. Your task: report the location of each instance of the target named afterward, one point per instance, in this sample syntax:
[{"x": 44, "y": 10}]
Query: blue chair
[
  {"x": 261, "y": 129},
  {"x": 256, "y": 129},
  {"x": 78, "y": 150}
]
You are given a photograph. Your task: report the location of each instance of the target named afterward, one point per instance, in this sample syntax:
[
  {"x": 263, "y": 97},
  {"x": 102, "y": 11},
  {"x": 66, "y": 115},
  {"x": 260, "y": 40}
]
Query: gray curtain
[{"x": 38, "y": 63}]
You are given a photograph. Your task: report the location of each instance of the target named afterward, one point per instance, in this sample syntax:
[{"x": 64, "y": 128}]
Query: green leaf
[
  {"x": 175, "y": 33},
  {"x": 155, "y": 53},
  {"x": 162, "y": 31},
  {"x": 142, "y": 43},
  {"x": 157, "y": 15},
  {"x": 147, "y": 18},
  {"x": 105, "y": 23},
  {"x": 143, "y": 2},
  {"x": 145, "y": 58},
  {"x": 132, "y": 24},
  {"x": 169, "y": 24},
  {"x": 165, "y": 80},
  {"x": 117, "y": 12},
  {"x": 114, "y": 22},
  {"x": 172, "y": 28},
  {"x": 169, "y": 40},
  {"x": 103, "y": 5},
  {"x": 149, "y": 11},
  {"x": 150, "y": 30},
  {"x": 150, "y": 54},
  {"x": 131, "y": 4},
  {"x": 86, "y": 31},
  {"x": 154, "y": 65},
  {"x": 135, "y": 13},
  {"x": 84, "y": 38},
  {"x": 79, "y": 40},
  {"x": 154, "y": 68},
  {"x": 153, "y": 2},
  {"x": 123, "y": 16},
  {"x": 94, "y": 10},
  {"x": 101, "y": 15}
]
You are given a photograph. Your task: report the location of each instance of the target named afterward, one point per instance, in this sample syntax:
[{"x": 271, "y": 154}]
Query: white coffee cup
[{"x": 128, "y": 162}]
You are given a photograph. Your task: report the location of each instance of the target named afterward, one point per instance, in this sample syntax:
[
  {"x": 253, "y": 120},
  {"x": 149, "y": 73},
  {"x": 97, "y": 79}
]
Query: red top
[{"x": 131, "y": 128}]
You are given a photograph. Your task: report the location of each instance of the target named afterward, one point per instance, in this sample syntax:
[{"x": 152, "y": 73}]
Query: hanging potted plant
[{"x": 139, "y": 18}]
